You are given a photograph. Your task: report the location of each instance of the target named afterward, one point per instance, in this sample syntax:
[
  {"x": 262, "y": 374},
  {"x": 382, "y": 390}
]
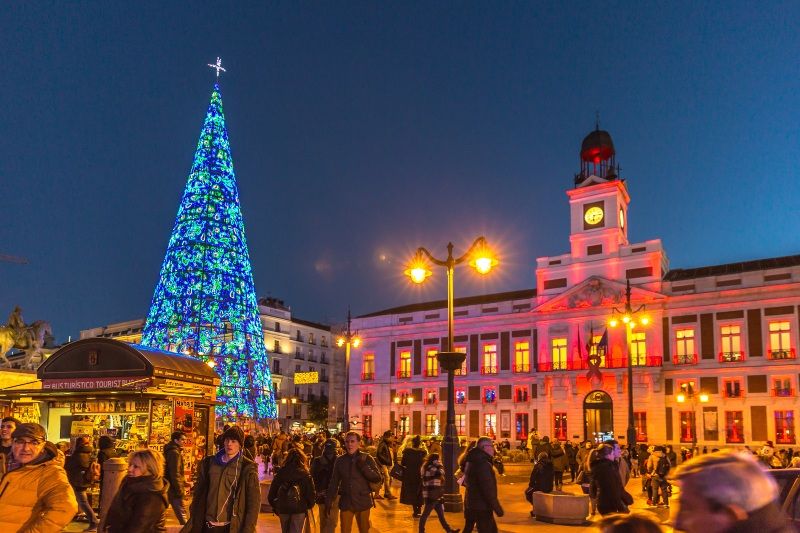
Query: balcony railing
[
  {"x": 520, "y": 399},
  {"x": 733, "y": 393},
  {"x": 520, "y": 368},
  {"x": 489, "y": 370},
  {"x": 783, "y": 393},
  {"x": 312, "y": 358},
  {"x": 685, "y": 359},
  {"x": 366, "y": 402},
  {"x": 431, "y": 401},
  {"x": 367, "y": 376},
  {"x": 430, "y": 372},
  {"x": 323, "y": 379},
  {"x": 403, "y": 374},
  {"x": 299, "y": 355},
  {"x": 731, "y": 357},
  {"x": 782, "y": 354},
  {"x": 616, "y": 362},
  {"x": 323, "y": 360}
]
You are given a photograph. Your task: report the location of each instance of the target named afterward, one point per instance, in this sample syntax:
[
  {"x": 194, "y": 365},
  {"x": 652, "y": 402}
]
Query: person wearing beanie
[
  {"x": 35, "y": 494},
  {"x": 226, "y": 496}
]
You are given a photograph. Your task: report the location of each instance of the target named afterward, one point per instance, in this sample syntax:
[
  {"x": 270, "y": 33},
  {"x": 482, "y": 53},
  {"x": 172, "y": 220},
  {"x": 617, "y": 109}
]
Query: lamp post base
[{"x": 453, "y": 503}]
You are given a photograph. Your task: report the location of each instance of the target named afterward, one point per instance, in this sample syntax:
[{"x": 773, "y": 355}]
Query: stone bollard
[{"x": 114, "y": 471}]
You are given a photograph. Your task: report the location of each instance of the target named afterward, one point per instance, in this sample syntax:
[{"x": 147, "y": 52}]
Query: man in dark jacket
[
  {"x": 321, "y": 473},
  {"x": 227, "y": 496},
  {"x": 385, "y": 456},
  {"x": 480, "y": 501},
  {"x": 79, "y": 474},
  {"x": 174, "y": 473},
  {"x": 726, "y": 492},
  {"x": 352, "y": 474},
  {"x": 606, "y": 486}
]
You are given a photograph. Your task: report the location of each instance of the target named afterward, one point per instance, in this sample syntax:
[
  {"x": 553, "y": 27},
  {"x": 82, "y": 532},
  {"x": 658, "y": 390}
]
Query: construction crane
[{"x": 5, "y": 258}]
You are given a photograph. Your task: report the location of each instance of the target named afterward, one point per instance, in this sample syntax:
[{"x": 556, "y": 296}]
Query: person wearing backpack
[
  {"x": 292, "y": 492},
  {"x": 353, "y": 474},
  {"x": 81, "y": 475}
]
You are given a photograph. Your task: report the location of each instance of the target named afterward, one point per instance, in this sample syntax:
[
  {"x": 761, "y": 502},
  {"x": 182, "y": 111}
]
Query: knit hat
[
  {"x": 234, "y": 433},
  {"x": 331, "y": 444},
  {"x": 31, "y": 431}
]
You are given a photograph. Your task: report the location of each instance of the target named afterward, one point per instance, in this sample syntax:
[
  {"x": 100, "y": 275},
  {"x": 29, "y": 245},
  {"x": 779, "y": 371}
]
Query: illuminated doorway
[{"x": 598, "y": 416}]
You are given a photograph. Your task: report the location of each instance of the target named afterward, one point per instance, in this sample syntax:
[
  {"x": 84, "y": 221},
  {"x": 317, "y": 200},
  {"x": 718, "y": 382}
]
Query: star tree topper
[{"x": 217, "y": 66}]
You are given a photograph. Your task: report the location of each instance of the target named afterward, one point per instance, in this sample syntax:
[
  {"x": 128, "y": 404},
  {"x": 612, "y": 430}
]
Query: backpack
[
  {"x": 289, "y": 500},
  {"x": 662, "y": 467}
]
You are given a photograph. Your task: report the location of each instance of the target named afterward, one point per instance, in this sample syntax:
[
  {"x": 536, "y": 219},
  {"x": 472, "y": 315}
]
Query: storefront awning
[{"x": 82, "y": 363}]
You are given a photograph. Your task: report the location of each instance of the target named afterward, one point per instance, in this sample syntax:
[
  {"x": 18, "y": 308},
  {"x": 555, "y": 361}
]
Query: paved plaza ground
[{"x": 393, "y": 516}]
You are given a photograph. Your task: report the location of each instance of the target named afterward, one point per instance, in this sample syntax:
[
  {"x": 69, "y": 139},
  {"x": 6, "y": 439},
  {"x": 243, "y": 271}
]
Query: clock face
[
  {"x": 621, "y": 219},
  {"x": 593, "y": 216}
]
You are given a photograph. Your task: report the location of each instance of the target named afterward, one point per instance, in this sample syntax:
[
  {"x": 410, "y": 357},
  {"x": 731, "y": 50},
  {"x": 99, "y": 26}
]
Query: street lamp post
[
  {"x": 482, "y": 260},
  {"x": 347, "y": 338},
  {"x": 693, "y": 397},
  {"x": 628, "y": 317},
  {"x": 404, "y": 400},
  {"x": 287, "y": 402}
]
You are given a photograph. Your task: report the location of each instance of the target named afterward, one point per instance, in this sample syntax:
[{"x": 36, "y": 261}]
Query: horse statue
[{"x": 30, "y": 338}]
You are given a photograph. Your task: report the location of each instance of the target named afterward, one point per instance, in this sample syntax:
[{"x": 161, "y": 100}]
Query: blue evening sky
[{"x": 361, "y": 130}]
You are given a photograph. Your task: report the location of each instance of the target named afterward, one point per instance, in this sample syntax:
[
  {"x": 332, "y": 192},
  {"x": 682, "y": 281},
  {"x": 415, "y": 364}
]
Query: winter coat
[
  {"x": 542, "y": 477},
  {"x": 606, "y": 487},
  {"x": 37, "y": 497},
  {"x": 321, "y": 472},
  {"x": 543, "y": 446},
  {"x": 351, "y": 477},
  {"x": 77, "y": 465},
  {"x": 582, "y": 455},
  {"x": 481, "y": 482},
  {"x": 384, "y": 454},
  {"x": 768, "y": 519},
  {"x": 140, "y": 506},
  {"x": 559, "y": 457},
  {"x": 433, "y": 482},
  {"x": 246, "y": 497},
  {"x": 292, "y": 475},
  {"x": 411, "y": 491},
  {"x": 173, "y": 470},
  {"x": 572, "y": 454}
]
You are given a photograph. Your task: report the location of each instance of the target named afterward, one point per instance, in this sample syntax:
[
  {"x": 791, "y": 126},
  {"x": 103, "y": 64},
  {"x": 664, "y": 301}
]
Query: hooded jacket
[
  {"x": 559, "y": 457},
  {"x": 292, "y": 475},
  {"x": 246, "y": 495},
  {"x": 77, "y": 465},
  {"x": 140, "y": 506},
  {"x": 606, "y": 487},
  {"x": 481, "y": 483},
  {"x": 174, "y": 470},
  {"x": 36, "y": 497},
  {"x": 411, "y": 490}
]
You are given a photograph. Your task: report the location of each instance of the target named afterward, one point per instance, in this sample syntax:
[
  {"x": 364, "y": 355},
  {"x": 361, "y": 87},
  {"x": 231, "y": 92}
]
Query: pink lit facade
[{"x": 715, "y": 365}]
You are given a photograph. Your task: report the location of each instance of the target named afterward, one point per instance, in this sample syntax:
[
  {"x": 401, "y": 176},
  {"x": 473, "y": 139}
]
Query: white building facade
[{"x": 715, "y": 364}]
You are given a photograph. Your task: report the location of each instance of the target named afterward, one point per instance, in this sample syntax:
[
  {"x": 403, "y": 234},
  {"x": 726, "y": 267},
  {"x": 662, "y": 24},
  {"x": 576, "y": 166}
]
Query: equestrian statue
[{"x": 30, "y": 338}]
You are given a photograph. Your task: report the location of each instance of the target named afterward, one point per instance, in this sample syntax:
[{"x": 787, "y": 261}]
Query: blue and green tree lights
[{"x": 205, "y": 301}]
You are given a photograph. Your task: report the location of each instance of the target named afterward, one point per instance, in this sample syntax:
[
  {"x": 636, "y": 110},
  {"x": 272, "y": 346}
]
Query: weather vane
[{"x": 217, "y": 66}]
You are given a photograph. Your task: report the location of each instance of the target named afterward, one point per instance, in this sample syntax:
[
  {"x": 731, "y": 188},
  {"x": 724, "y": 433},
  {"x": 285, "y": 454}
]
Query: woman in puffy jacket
[{"x": 140, "y": 505}]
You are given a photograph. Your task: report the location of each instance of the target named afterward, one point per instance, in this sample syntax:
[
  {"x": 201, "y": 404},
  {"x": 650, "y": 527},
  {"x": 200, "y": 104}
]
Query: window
[
  {"x": 405, "y": 364},
  {"x": 366, "y": 398},
  {"x": 431, "y": 363},
  {"x": 522, "y": 362},
  {"x": 733, "y": 388},
  {"x": 780, "y": 343},
  {"x": 489, "y": 359},
  {"x": 559, "y": 353},
  {"x": 687, "y": 387},
  {"x": 310, "y": 338},
  {"x": 431, "y": 397},
  {"x": 461, "y": 424},
  {"x": 560, "y": 426},
  {"x": 734, "y": 426},
  {"x": 403, "y": 425},
  {"x": 489, "y": 395},
  {"x": 685, "y": 353},
  {"x": 366, "y": 429},
  {"x": 782, "y": 387},
  {"x": 784, "y": 427},
  {"x": 461, "y": 396},
  {"x": 276, "y": 366},
  {"x": 593, "y": 349},
  {"x": 638, "y": 348},
  {"x": 521, "y": 393},
  {"x": 688, "y": 430},
  {"x": 731, "y": 342},
  {"x": 463, "y": 370},
  {"x": 276, "y": 346},
  {"x": 521, "y": 426},
  {"x": 368, "y": 367},
  {"x": 640, "y": 423},
  {"x": 490, "y": 425},
  {"x": 431, "y": 424}
]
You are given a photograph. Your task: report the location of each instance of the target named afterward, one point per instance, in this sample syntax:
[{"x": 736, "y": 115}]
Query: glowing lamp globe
[
  {"x": 356, "y": 342},
  {"x": 340, "y": 342},
  {"x": 418, "y": 272}
]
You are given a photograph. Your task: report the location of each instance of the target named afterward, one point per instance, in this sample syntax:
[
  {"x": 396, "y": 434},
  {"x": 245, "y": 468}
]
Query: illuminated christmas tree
[{"x": 205, "y": 301}]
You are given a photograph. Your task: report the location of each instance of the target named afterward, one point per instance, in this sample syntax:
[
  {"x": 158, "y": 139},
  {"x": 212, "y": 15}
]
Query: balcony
[
  {"x": 731, "y": 357},
  {"x": 520, "y": 398},
  {"x": 367, "y": 376},
  {"x": 520, "y": 368},
  {"x": 430, "y": 372},
  {"x": 323, "y": 379},
  {"x": 489, "y": 370},
  {"x": 431, "y": 401},
  {"x": 403, "y": 374},
  {"x": 733, "y": 393},
  {"x": 312, "y": 358},
  {"x": 299, "y": 355},
  {"x": 324, "y": 360},
  {"x": 782, "y": 392},
  {"x": 776, "y": 355},
  {"x": 366, "y": 402},
  {"x": 277, "y": 371},
  {"x": 685, "y": 359}
]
